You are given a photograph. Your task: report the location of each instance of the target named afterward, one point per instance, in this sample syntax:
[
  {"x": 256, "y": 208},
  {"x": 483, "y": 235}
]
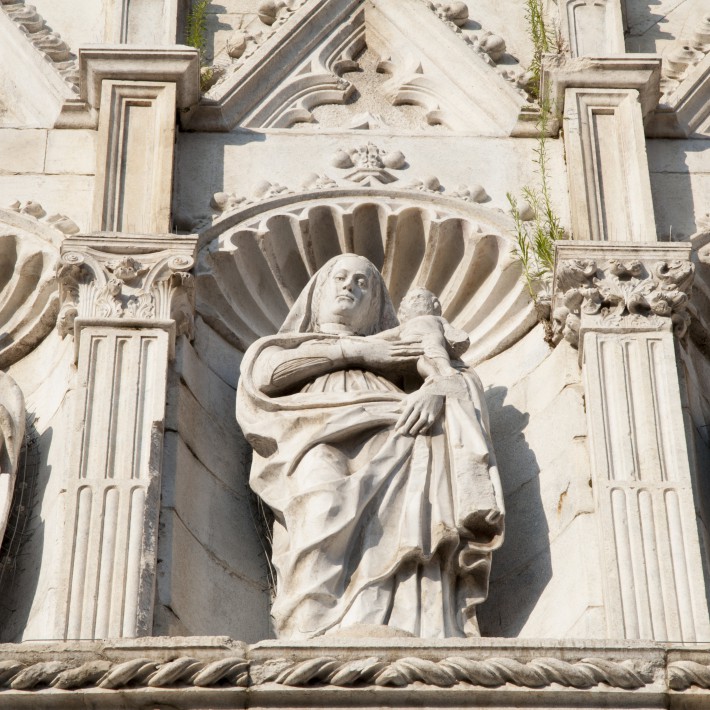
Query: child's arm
[{"x": 457, "y": 340}]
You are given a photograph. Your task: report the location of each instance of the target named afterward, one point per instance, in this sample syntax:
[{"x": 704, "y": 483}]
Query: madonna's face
[{"x": 348, "y": 294}]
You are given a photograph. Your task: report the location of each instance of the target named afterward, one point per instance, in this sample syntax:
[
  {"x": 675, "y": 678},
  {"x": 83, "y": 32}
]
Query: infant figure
[{"x": 420, "y": 320}]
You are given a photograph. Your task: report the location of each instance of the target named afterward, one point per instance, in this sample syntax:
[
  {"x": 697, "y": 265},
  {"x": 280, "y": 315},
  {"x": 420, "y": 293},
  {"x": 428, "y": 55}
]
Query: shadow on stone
[
  {"x": 521, "y": 568},
  {"x": 24, "y": 537}
]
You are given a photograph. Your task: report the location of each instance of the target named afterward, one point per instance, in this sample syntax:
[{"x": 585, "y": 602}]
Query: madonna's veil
[{"x": 302, "y": 316}]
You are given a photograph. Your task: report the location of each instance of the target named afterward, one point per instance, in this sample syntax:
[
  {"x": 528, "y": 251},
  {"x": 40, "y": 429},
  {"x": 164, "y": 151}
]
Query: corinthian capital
[
  {"x": 622, "y": 287},
  {"x": 126, "y": 280}
]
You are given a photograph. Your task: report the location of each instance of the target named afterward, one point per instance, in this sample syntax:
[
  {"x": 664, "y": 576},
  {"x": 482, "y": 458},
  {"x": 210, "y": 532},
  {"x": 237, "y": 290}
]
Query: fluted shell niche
[
  {"x": 256, "y": 261},
  {"x": 29, "y": 252}
]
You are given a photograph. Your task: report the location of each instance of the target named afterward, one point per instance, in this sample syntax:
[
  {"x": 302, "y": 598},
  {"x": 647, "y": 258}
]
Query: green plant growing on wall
[
  {"x": 196, "y": 36},
  {"x": 541, "y": 40},
  {"x": 536, "y": 235}
]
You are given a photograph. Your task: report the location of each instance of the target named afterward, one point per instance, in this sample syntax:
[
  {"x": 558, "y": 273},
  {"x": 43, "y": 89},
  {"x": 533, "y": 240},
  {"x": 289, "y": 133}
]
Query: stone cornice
[
  {"x": 191, "y": 671},
  {"x": 641, "y": 72},
  {"x": 176, "y": 64},
  {"x": 172, "y": 64}
]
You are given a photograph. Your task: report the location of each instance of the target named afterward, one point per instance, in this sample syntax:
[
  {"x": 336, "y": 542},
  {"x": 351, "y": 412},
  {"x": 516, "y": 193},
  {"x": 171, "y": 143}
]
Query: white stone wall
[
  {"x": 541, "y": 586},
  {"x": 238, "y": 162},
  {"x": 212, "y": 577},
  {"x": 680, "y": 183},
  {"x": 53, "y": 167},
  {"x": 212, "y": 571}
]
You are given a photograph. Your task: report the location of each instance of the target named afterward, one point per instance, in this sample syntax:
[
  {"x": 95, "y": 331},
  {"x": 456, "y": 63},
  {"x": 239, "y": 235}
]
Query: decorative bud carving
[
  {"x": 456, "y": 12},
  {"x": 701, "y": 36},
  {"x": 492, "y": 45},
  {"x": 370, "y": 163}
]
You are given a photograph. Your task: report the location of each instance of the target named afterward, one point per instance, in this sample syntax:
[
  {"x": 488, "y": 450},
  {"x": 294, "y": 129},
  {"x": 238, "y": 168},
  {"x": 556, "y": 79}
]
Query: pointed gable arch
[{"x": 300, "y": 66}]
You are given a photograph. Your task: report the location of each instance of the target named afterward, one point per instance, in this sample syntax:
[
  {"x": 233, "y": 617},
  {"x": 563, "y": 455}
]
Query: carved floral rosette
[
  {"x": 621, "y": 293},
  {"x": 103, "y": 282}
]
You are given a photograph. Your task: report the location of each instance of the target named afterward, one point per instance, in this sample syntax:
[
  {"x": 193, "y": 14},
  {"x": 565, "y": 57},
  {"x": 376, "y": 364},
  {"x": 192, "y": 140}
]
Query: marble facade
[{"x": 161, "y": 210}]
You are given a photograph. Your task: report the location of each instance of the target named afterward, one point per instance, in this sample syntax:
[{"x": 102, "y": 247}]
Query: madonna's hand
[
  {"x": 379, "y": 354},
  {"x": 420, "y": 411}
]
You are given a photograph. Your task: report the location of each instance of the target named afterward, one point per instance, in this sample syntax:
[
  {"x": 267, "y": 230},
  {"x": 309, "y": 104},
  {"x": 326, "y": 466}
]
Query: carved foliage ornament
[
  {"x": 155, "y": 286},
  {"x": 367, "y": 166},
  {"x": 621, "y": 294}
]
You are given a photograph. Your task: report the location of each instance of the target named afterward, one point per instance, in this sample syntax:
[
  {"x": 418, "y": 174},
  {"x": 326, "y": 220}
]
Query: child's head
[{"x": 418, "y": 302}]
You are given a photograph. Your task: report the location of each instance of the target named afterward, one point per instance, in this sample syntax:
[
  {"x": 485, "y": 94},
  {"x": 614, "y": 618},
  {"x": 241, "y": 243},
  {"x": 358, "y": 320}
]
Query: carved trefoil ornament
[
  {"x": 98, "y": 282},
  {"x": 371, "y": 164}
]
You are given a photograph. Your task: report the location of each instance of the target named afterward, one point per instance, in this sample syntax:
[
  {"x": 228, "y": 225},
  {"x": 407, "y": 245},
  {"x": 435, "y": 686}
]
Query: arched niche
[
  {"x": 29, "y": 301},
  {"x": 256, "y": 259}
]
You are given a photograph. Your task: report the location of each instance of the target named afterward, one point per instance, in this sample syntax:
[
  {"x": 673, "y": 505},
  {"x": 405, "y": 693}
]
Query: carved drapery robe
[{"x": 372, "y": 526}]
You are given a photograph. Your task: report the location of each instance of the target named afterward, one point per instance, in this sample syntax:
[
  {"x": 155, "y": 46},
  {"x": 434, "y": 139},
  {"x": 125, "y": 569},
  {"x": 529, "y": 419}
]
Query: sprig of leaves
[
  {"x": 196, "y": 36},
  {"x": 539, "y": 34}
]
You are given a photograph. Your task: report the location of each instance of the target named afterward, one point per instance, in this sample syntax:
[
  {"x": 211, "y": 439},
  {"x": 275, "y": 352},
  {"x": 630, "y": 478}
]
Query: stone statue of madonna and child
[{"x": 371, "y": 448}]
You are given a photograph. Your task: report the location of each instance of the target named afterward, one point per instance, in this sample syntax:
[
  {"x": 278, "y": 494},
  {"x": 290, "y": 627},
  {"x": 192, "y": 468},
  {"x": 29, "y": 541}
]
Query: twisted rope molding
[
  {"x": 683, "y": 674},
  {"x": 138, "y": 672},
  {"x": 234, "y": 672},
  {"x": 490, "y": 673}
]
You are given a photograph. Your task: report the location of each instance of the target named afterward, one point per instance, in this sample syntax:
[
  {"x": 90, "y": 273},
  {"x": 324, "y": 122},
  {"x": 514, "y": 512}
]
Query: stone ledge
[
  {"x": 197, "y": 672},
  {"x": 641, "y": 72},
  {"x": 178, "y": 64}
]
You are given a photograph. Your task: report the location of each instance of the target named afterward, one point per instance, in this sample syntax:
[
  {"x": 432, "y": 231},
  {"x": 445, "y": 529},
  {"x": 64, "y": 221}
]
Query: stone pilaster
[
  {"x": 144, "y": 23},
  {"x": 624, "y": 306},
  {"x": 124, "y": 299},
  {"x": 592, "y": 28},
  {"x": 136, "y": 93},
  {"x": 603, "y": 103}
]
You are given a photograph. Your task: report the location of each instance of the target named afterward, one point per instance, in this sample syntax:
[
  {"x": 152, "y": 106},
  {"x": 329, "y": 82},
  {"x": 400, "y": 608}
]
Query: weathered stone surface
[
  {"x": 384, "y": 128},
  {"x": 352, "y": 539},
  {"x": 71, "y": 152},
  {"x": 22, "y": 151}
]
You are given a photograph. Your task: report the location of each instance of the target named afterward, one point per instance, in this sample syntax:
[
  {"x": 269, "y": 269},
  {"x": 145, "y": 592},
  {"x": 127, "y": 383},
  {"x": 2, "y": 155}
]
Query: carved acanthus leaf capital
[
  {"x": 107, "y": 279},
  {"x": 620, "y": 292}
]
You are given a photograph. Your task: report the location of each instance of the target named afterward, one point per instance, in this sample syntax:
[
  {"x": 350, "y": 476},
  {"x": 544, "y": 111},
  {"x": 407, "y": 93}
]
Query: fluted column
[
  {"x": 125, "y": 298},
  {"x": 624, "y": 307}
]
